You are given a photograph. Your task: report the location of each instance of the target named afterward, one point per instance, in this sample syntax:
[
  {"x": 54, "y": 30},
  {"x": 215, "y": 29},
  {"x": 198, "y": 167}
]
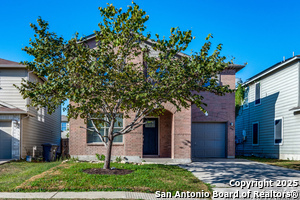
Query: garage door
[
  {"x": 208, "y": 140},
  {"x": 5, "y": 140}
]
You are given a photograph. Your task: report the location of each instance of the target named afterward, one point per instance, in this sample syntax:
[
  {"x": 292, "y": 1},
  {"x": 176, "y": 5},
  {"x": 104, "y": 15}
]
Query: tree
[
  {"x": 239, "y": 97},
  {"x": 105, "y": 81}
]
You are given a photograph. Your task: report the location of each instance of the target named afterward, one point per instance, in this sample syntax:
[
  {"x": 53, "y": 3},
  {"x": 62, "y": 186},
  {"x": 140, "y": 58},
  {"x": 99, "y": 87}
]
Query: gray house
[
  {"x": 23, "y": 129},
  {"x": 268, "y": 124}
]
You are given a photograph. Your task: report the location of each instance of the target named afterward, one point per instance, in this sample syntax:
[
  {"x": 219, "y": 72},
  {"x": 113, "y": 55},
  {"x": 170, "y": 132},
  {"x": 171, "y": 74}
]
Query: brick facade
[
  {"x": 174, "y": 127},
  {"x": 174, "y": 138},
  {"x": 220, "y": 109}
]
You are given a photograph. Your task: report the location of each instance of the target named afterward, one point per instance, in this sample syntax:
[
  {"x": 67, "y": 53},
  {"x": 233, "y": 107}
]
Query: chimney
[{"x": 283, "y": 58}]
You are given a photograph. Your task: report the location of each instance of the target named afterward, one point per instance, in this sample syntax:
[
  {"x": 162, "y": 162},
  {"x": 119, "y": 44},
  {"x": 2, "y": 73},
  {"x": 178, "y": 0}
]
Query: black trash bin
[{"x": 49, "y": 152}]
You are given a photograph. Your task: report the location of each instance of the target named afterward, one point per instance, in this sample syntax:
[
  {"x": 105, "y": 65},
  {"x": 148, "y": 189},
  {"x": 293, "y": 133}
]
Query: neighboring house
[
  {"x": 268, "y": 124},
  {"x": 64, "y": 126},
  {"x": 178, "y": 135},
  {"x": 22, "y": 128}
]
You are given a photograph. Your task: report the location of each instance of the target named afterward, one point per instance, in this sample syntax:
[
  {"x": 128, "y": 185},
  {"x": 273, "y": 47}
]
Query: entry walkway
[{"x": 2, "y": 161}]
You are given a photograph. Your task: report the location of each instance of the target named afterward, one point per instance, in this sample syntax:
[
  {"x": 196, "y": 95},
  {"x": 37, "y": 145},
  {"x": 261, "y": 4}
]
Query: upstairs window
[
  {"x": 217, "y": 78},
  {"x": 41, "y": 114},
  {"x": 255, "y": 133},
  {"x": 93, "y": 137},
  {"x": 257, "y": 93},
  {"x": 246, "y": 100},
  {"x": 278, "y": 131},
  {"x": 63, "y": 126}
]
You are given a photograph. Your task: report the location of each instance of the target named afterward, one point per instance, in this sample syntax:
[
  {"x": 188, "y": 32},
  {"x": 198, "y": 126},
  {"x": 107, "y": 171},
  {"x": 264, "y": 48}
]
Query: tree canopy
[{"x": 127, "y": 71}]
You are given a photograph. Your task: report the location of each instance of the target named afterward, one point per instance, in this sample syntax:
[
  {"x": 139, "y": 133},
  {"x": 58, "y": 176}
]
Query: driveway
[
  {"x": 219, "y": 172},
  {"x": 2, "y": 161}
]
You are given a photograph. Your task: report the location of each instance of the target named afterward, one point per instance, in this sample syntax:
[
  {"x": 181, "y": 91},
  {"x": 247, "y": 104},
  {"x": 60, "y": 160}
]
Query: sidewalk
[{"x": 80, "y": 195}]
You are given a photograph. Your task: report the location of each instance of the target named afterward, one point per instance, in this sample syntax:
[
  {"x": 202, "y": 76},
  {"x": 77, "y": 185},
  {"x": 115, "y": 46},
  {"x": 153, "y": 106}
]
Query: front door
[{"x": 150, "y": 131}]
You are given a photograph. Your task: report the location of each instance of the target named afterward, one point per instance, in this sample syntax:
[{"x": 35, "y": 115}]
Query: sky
[{"x": 257, "y": 32}]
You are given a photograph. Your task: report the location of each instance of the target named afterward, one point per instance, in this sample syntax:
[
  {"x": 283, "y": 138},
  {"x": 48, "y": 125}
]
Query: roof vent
[
  {"x": 293, "y": 53},
  {"x": 283, "y": 58}
]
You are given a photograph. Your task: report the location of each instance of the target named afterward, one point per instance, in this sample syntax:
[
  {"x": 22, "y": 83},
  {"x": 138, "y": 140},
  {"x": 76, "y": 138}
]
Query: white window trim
[
  {"x": 244, "y": 107},
  {"x": 281, "y": 130},
  {"x": 257, "y": 133},
  {"x": 105, "y": 127},
  {"x": 257, "y": 104}
]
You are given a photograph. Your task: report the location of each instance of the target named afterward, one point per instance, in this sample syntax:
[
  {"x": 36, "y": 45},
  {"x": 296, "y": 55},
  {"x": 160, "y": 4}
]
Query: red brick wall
[
  {"x": 79, "y": 145},
  {"x": 165, "y": 132},
  {"x": 220, "y": 109},
  {"x": 134, "y": 139},
  {"x": 182, "y": 134}
]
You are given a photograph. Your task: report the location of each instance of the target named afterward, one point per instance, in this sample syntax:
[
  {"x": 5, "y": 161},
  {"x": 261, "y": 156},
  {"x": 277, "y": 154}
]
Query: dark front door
[{"x": 150, "y": 131}]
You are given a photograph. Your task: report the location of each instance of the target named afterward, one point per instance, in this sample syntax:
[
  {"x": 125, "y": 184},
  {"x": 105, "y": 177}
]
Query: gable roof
[
  {"x": 271, "y": 69},
  {"x": 234, "y": 66},
  {"x": 10, "y": 64},
  {"x": 6, "y": 108}
]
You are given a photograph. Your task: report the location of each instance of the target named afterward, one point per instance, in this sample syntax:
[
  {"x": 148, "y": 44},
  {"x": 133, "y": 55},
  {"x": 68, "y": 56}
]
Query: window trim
[
  {"x": 257, "y": 104},
  {"x": 102, "y": 143},
  {"x": 257, "y": 134},
  {"x": 276, "y": 118},
  {"x": 244, "y": 107}
]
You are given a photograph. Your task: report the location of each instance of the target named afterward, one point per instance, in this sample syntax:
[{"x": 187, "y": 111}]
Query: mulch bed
[{"x": 108, "y": 171}]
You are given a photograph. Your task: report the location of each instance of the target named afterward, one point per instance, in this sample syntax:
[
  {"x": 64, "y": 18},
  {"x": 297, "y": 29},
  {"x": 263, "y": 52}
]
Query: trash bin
[{"x": 49, "y": 152}]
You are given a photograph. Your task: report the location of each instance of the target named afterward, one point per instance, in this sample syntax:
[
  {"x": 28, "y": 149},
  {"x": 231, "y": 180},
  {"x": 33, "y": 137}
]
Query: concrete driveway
[
  {"x": 219, "y": 172},
  {"x": 2, "y": 161}
]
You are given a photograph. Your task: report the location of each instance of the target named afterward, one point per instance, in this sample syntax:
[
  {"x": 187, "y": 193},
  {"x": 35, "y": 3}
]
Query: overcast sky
[{"x": 257, "y": 32}]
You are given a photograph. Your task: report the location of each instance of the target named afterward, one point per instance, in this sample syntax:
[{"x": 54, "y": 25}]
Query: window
[
  {"x": 63, "y": 126},
  {"x": 93, "y": 137},
  {"x": 278, "y": 130},
  {"x": 257, "y": 93},
  {"x": 246, "y": 102},
  {"x": 41, "y": 114},
  {"x": 217, "y": 80},
  {"x": 255, "y": 133}
]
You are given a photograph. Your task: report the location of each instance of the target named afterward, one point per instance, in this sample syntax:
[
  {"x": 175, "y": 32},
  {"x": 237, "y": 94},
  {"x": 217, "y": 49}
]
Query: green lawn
[
  {"x": 145, "y": 178},
  {"x": 291, "y": 164},
  {"x": 14, "y": 173}
]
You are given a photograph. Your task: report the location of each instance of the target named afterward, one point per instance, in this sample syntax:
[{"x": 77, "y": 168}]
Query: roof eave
[
  {"x": 269, "y": 71},
  {"x": 11, "y": 66}
]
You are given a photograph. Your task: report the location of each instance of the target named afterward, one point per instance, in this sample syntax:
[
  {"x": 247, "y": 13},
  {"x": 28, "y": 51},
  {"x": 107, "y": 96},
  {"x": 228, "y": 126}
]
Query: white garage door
[
  {"x": 208, "y": 140},
  {"x": 5, "y": 140}
]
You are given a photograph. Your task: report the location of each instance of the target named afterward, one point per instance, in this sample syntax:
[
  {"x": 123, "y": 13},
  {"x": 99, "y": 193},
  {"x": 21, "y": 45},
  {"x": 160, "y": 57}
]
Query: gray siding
[
  {"x": 279, "y": 93},
  {"x": 8, "y": 93},
  {"x": 37, "y": 132},
  {"x": 42, "y": 128}
]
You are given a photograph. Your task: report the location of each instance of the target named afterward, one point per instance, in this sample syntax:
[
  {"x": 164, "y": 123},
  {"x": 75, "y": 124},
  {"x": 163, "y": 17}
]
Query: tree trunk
[{"x": 108, "y": 155}]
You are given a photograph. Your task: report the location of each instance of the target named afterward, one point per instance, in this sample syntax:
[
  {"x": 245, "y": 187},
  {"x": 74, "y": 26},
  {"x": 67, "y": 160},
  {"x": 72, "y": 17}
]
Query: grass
[
  {"x": 145, "y": 178},
  {"x": 291, "y": 164},
  {"x": 14, "y": 173}
]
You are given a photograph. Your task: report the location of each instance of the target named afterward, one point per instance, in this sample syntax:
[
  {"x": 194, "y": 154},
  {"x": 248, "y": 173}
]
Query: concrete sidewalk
[{"x": 80, "y": 195}]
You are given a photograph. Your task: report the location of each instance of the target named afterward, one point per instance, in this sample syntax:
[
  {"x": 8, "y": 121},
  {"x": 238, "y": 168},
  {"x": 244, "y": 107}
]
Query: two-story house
[
  {"x": 23, "y": 129},
  {"x": 268, "y": 124},
  {"x": 181, "y": 136}
]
